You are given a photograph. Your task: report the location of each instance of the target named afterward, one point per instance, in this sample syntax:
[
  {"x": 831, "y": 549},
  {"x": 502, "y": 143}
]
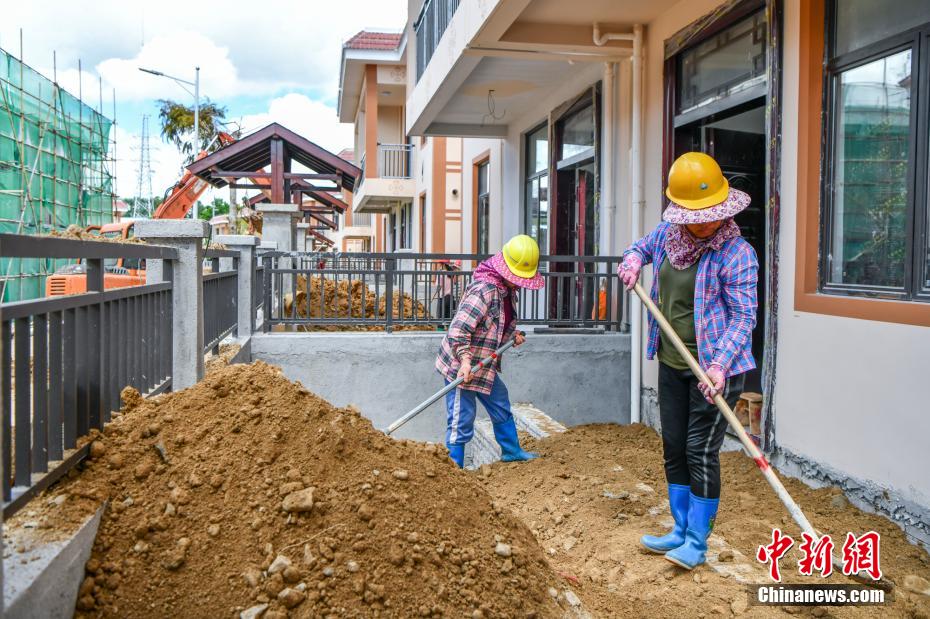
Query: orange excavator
[{"x": 122, "y": 272}]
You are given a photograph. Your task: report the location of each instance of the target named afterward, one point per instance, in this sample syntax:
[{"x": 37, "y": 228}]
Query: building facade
[{"x": 809, "y": 106}]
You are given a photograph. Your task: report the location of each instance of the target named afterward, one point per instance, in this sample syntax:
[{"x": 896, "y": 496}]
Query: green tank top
[{"x": 676, "y": 302}]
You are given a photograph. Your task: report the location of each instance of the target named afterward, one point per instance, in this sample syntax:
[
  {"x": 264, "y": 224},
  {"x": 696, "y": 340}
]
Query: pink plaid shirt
[{"x": 477, "y": 327}]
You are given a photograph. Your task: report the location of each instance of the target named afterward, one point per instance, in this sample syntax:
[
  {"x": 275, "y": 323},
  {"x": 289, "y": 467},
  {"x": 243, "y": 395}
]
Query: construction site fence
[
  {"x": 65, "y": 360},
  {"x": 56, "y": 167},
  {"x": 421, "y": 291}
]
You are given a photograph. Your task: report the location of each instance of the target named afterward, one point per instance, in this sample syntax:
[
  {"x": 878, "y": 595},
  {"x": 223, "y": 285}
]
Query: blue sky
[{"x": 274, "y": 60}]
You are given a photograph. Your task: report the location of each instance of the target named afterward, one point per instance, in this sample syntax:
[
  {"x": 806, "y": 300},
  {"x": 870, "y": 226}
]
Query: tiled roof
[
  {"x": 347, "y": 154},
  {"x": 374, "y": 40}
]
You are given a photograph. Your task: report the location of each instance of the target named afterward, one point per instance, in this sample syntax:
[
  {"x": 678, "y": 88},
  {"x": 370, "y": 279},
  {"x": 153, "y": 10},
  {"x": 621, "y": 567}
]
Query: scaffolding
[{"x": 56, "y": 167}]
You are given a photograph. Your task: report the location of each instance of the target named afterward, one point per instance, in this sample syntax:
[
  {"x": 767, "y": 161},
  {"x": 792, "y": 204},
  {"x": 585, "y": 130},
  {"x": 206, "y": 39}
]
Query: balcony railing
[
  {"x": 394, "y": 160},
  {"x": 432, "y": 22},
  {"x": 353, "y": 291}
]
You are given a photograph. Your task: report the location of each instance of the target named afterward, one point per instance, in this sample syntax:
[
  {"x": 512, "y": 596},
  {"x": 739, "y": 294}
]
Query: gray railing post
[
  {"x": 390, "y": 266},
  {"x": 245, "y": 281},
  {"x": 278, "y": 227},
  {"x": 301, "y": 236},
  {"x": 186, "y": 235}
]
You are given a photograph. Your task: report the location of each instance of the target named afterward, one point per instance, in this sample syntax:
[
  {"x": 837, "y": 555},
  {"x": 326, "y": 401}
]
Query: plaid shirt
[
  {"x": 724, "y": 300},
  {"x": 478, "y": 328}
]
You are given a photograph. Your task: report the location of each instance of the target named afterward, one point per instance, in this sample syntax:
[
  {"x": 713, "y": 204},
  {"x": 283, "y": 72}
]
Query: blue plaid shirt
[{"x": 724, "y": 300}]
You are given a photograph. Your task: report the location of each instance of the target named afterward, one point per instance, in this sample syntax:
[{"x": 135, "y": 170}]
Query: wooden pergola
[{"x": 265, "y": 159}]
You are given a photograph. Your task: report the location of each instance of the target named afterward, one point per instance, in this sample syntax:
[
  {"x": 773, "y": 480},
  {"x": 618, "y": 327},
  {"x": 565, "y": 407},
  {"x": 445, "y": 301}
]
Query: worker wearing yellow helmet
[
  {"x": 485, "y": 319},
  {"x": 704, "y": 283}
]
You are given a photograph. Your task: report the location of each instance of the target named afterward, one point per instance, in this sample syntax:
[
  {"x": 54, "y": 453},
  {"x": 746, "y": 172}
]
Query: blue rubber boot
[
  {"x": 678, "y": 503},
  {"x": 506, "y": 434},
  {"x": 457, "y": 454},
  {"x": 701, "y": 515}
]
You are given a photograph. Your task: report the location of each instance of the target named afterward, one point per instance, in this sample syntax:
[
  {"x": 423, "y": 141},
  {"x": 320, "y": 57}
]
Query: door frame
[{"x": 721, "y": 18}]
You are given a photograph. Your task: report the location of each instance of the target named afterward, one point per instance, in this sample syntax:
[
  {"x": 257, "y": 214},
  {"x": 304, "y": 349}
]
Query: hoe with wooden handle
[{"x": 780, "y": 491}]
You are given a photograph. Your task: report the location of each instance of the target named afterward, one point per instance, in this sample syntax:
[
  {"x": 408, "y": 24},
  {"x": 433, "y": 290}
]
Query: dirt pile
[
  {"x": 350, "y": 299},
  {"x": 248, "y": 491},
  {"x": 598, "y": 488},
  {"x": 77, "y": 233}
]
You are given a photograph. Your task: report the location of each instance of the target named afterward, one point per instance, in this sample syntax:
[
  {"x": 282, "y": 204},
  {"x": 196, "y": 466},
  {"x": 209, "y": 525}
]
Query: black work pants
[{"x": 693, "y": 430}]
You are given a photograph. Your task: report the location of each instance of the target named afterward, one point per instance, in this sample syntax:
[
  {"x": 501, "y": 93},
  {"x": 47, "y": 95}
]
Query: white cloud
[
  {"x": 166, "y": 162},
  {"x": 174, "y": 54},
  {"x": 312, "y": 119}
]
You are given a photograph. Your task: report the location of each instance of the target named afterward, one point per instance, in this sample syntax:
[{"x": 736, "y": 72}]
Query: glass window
[
  {"x": 860, "y": 23},
  {"x": 871, "y": 147},
  {"x": 577, "y": 132},
  {"x": 723, "y": 65},
  {"x": 537, "y": 148},
  {"x": 536, "y": 187},
  {"x": 875, "y": 198},
  {"x": 483, "y": 208}
]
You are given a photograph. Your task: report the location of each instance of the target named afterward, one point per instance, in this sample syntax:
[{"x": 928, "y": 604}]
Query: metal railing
[
  {"x": 65, "y": 360},
  {"x": 353, "y": 291},
  {"x": 220, "y": 298},
  {"x": 429, "y": 26},
  {"x": 394, "y": 160}
]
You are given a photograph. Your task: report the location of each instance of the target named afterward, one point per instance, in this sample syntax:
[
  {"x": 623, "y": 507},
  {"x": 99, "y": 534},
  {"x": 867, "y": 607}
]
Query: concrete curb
[{"x": 43, "y": 581}]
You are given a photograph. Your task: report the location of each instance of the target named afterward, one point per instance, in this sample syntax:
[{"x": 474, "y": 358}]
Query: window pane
[
  {"x": 537, "y": 145},
  {"x": 532, "y": 208},
  {"x": 862, "y": 22},
  {"x": 870, "y": 173},
  {"x": 577, "y": 133},
  {"x": 724, "y": 64},
  {"x": 482, "y": 179},
  {"x": 543, "y": 238}
]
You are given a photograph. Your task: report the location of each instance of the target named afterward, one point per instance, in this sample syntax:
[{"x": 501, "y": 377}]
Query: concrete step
[{"x": 483, "y": 448}]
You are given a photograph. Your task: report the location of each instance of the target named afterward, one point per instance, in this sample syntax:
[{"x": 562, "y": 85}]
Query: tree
[
  {"x": 219, "y": 206},
  {"x": 177, "y": 125}
]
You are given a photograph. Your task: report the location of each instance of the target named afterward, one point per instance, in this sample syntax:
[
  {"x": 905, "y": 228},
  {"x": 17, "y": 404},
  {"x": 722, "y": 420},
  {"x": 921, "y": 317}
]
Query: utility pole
[{"x": 144, "y": 202}]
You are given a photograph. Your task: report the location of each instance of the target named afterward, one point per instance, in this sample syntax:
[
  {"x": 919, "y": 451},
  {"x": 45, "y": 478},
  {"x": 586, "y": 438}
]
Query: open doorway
[{"x": 722, "y": 89}]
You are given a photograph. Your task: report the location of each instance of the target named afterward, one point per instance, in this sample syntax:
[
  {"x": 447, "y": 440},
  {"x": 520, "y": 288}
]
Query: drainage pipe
[
  {"x": 636, "y": 219},
  {"x": 601, "y": 39}
]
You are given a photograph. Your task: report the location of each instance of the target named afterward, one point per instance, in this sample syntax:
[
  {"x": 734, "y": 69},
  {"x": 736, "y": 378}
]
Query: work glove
[
  {"x": 628, "y": 271},
  {"x": 718, "y": 377}
]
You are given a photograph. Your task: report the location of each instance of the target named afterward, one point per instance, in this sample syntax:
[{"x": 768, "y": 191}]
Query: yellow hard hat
[
  {"x": 521, "y": 253},
  {"x": 696, "y": 182}
]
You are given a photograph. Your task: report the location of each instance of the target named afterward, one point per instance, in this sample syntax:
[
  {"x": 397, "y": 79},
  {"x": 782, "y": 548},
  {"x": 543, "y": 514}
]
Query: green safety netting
[{"x": 55, "y": 168}]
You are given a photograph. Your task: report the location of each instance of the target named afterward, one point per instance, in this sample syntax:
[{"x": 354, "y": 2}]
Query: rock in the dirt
[
  {"x": 252, "y": 577},
  {"x": 502, "y": 549},
  {"x": 819, "y": 611},
  {"x": 279, "y": 564},
  {"x": 291, "y": 574},
  {"x": 352, "y": 566},
  {"x": 739, "y": 605},
  {"x": 299, "y": 501},
  {"x": 569, "y": 543},
  {"x": 401, "y": 474},
  {"x": 97, "y": 450},
  {"x": 916, "y": 584},
  {"x": 839, "y": 502},
  {"x": 726, "y": 555},
  {"x": 213, "y": 530},
  {"x": 143, "y": 470},
  {"x": 291, "y": 597},
  {"x": 254, "y": 612},
  {"x": 571, "y": 598}
]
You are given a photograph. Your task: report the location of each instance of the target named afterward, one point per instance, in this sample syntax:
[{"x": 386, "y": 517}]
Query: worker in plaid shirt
[
  {"x": 704, "y": 283},
  {"x": 485, "y": 319}
]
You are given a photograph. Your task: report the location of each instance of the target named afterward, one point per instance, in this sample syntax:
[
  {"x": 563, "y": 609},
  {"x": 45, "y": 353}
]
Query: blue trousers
[{"x": 461, "y": 407}]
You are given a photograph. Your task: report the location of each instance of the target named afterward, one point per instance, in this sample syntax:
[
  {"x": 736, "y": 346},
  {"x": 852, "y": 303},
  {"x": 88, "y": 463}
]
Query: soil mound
[
  {"x": 247, "y": 490},
  {"x": 349, "y": 299},
  {"x": 598, "y": 488}
]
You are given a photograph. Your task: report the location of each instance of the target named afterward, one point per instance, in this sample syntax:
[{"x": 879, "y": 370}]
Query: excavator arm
[{"x": 184, "y": 195}]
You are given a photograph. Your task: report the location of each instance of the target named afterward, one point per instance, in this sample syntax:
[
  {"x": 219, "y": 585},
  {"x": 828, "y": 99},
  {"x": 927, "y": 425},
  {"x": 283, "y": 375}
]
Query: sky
[{"x": 274, "y": 60}]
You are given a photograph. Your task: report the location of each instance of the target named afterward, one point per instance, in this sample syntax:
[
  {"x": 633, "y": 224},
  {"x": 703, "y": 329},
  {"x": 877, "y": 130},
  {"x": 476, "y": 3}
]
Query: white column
[
  {"x": 245, "y": 244},
  {"x": 186, "y": 273},
  {"x": 301, "y": 243}
]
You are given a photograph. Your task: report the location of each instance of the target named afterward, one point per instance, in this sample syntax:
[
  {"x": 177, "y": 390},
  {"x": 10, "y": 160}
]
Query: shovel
[
  {"x": 780, "y": 491},
  {"x": 455, "y": 383}
]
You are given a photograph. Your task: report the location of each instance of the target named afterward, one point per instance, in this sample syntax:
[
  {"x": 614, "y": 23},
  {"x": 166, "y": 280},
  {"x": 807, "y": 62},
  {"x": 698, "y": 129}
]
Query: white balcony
[{"x": 389, "y": 184}]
